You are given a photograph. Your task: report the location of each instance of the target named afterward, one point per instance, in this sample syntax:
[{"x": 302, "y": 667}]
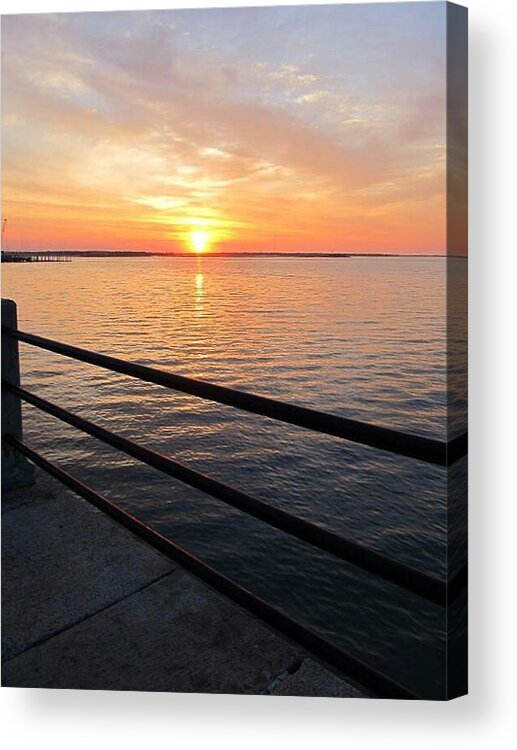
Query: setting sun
[{"x": 199, "y": 240}]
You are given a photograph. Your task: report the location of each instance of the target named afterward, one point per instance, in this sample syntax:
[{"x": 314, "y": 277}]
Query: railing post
[{"x": 16, "y": 470}]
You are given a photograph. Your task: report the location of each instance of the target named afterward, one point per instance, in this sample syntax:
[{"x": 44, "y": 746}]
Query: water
[{"x": 361, "y": 337}]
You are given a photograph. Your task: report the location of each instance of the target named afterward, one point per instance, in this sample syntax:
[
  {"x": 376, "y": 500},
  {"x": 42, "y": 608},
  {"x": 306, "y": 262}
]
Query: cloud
[{"x": 162, "y": 118}]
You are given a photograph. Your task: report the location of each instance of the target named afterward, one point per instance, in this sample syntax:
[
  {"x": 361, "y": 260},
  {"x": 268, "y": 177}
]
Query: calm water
[{"x": 360, "y": 337}]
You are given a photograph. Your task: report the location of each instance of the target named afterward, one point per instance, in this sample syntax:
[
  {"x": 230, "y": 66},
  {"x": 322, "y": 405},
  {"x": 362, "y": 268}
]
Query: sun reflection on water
[{"x": 199, "y": 281}]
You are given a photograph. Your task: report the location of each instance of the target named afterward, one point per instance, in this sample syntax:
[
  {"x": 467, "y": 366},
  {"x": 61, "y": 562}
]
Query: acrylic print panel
[{"x": 234, "y": 423}]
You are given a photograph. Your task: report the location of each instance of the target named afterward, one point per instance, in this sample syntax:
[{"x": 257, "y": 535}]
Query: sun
[{"x": 199, "y": 240}]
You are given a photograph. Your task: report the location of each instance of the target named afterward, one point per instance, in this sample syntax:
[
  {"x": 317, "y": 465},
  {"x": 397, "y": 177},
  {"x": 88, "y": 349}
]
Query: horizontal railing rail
[
  {"x": 339, "y": 660},
  {"x": 431, "y": 588},
  {"x": 413, "y": 446}
]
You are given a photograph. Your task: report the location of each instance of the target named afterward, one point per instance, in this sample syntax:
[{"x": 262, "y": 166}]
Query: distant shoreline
[{"x": 145, "y": 254}]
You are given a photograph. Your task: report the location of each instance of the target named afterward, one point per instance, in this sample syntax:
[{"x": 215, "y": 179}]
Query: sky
[{"x": 283, "y": 129}]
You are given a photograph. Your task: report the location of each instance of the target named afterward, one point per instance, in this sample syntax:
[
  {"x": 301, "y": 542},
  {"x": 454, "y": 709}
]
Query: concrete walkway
[{"x": 87, "y": 605}]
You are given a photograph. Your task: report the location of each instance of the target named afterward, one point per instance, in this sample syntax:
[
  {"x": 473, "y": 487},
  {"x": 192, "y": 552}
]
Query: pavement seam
[
  {"x": 72, "y": 625},
  {"x": 293, "y": 668}
]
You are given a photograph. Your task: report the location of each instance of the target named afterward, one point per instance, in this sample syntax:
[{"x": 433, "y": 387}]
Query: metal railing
[{"x": 437, "y": 591}]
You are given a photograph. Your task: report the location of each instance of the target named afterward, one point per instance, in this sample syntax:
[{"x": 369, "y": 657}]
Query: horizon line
[{"x": 223, "y": 254}]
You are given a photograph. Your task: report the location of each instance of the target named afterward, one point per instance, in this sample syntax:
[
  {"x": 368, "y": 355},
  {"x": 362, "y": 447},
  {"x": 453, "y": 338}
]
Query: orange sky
[{"x": 274, "y": 129}]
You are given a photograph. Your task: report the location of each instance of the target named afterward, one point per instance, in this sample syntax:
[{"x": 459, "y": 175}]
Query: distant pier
[{"x": 42, "y": 257}]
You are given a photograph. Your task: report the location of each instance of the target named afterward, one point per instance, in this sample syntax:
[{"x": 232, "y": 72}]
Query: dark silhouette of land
[{"x": 215, "y": 254}]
